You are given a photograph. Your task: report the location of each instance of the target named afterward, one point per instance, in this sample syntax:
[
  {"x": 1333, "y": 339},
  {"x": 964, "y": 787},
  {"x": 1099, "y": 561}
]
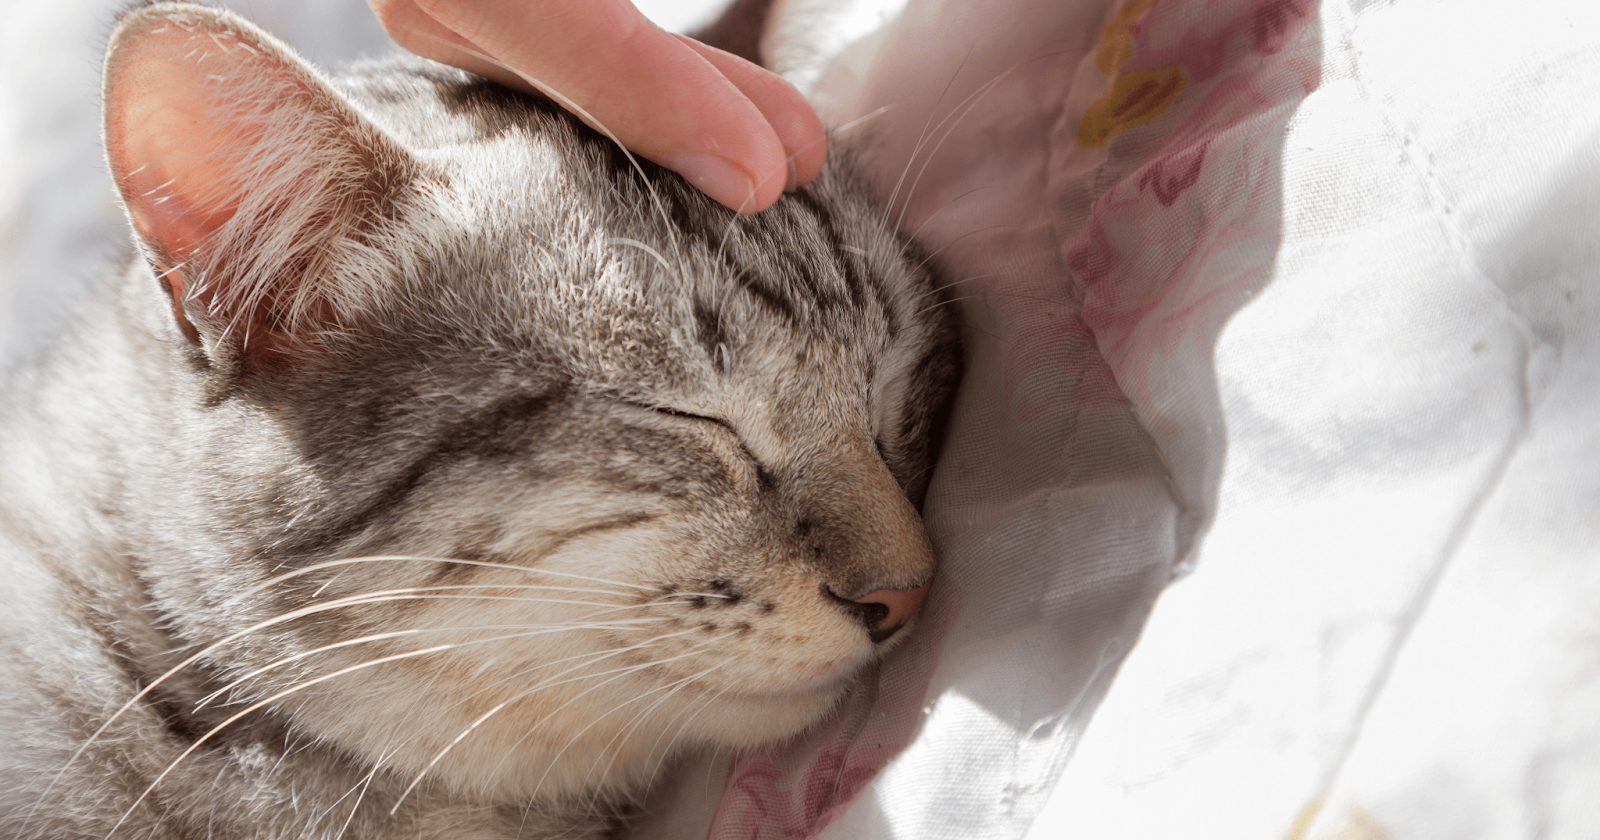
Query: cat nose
[{"x": 882, "y": 611}]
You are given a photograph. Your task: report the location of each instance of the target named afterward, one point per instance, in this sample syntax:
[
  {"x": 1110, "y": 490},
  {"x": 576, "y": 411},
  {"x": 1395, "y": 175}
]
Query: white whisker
[
  {"x": 360, "y": 790},
  {"x": 873, "y": 114},
  {"x": 711, "y": 701},
  {"x": 302, "y": 612},
  {"x": 620, "y": 673},
  {"x": 695, "y": 652},
  {"x": 584, "y": 659},
  {"x": 623, "y": 240},
  {"x": 922, "y": 138},
  {"x": 526, "y": 631},
  {"x": 959, "y": 113},
  {"x": 294, "y": 689},
  {"x": 912, "y": 237},
  {"x": 940, "y": 249},
  {"x": 934, "y": 306},
  {"x": 330, "y": 564},
  {"x": 638, "y": 720}
]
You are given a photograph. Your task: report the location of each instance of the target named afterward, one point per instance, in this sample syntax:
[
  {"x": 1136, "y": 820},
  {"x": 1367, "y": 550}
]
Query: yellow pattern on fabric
[
  {"x": 1135, "y": 99},
  {"x": 1116, "y": 40}
]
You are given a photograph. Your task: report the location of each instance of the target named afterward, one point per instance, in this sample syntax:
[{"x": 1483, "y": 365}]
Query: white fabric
[
  {"x": 1347, "y": 278},
  {"x": 1301, "y": 299}
]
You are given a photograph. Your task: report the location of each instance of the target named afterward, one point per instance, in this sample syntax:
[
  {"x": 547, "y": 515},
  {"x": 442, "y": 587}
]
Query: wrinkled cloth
[{"x": 1271, "y": 502}]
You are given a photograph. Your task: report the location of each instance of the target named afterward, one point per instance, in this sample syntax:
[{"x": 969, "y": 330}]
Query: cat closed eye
[{"x": 685, "y": 415}]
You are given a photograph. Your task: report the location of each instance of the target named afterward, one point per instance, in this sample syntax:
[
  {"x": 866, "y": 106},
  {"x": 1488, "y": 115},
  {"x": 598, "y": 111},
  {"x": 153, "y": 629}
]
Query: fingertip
[
  {"x": 809, "y": 152},
  {"x": 790, "y": 116},
  {"x": 726, "y": 182},
  {"x": 805, "y": 142}
]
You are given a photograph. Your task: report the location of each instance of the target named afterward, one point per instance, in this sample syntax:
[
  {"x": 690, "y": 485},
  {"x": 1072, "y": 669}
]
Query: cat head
[{"x": 498, "y": 450}]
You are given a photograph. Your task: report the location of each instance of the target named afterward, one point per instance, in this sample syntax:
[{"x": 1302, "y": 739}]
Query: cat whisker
[
  {"x": 922, "y": 137},
  {"x": 360, "y": 790},
  {"x": 524, "y": 631},
  {"x": 940, "y": 249},
  {"x": 638, "y": 720},
  {"x": 912, "y": 237},
  {"x": 958, "y": 113},
  {"x": 418, "y": 593},
  {"x": 1019, "y": 296},
  {"x": 949, "y": 301},
  {"x": 873, "y": 114},
  {"x": 694, "y": 652},
  {"x": 588, "y": 658},
  {"x": 554, "y": 679},
  {"x": 296, "y": 688},
  {"x": 302, "y": 612},
  {"x": 622, "y": 240},
  {"x": 509, "y": 586},
  {"x": 620, "y": 673},
  {"x": 159, "y": 681},
  {"x": 954, "y": 283},
  {"x": 710, "y": 701},
  {"x": 347, "y": 561}
]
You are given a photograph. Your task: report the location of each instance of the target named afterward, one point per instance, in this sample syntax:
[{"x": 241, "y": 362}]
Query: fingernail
[
  {"x": 792, "y": 182},
  {"x": 717, "y": 178}
]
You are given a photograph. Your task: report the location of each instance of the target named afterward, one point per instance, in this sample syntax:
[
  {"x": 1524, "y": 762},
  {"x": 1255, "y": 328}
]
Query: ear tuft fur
[{"x": 253, "y": 186}]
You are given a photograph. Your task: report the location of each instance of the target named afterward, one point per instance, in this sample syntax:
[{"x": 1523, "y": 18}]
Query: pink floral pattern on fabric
[{"x": 1188, "y": 226}]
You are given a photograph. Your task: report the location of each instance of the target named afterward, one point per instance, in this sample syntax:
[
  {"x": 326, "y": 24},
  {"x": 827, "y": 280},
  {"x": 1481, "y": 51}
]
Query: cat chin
[
  {"x": 754, "y": 720},
  {"x": 726, "y": 724},
  {"x": 561, "y": 745}
]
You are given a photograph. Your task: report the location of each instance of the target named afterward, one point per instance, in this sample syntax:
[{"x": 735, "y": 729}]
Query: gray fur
[{"x": 507, "y": 358}]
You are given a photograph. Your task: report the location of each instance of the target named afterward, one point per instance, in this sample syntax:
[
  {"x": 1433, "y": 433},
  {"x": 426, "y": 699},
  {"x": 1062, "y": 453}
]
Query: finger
[
  {"x": 651, "y": 92},
  {"x": 786, "y": 110},
  {"x": 414, "y": 30}
]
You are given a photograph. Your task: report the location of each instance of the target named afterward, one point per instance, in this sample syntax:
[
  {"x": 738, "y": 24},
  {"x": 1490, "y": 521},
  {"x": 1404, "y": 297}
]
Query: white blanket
[{"x": 1271, "y": 507}]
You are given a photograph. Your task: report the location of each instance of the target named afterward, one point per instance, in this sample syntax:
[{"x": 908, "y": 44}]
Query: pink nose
[{"x": 883, "y": 611}]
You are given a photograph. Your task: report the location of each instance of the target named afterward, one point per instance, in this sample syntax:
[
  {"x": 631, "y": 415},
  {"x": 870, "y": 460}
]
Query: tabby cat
[{"x": 436, "y": 470}]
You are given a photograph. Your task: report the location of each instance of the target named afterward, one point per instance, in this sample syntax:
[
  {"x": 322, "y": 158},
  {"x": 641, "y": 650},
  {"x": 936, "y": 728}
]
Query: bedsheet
[{"x": 1271, "y": 505}]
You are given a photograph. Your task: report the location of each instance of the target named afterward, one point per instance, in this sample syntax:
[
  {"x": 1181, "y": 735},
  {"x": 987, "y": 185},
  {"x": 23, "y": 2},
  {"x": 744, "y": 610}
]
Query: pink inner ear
[
  {"x": 241, "y": 171},
  {"x": 177, "y": 140}
]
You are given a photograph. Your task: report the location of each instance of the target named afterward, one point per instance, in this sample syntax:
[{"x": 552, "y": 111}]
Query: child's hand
[{"x": 739, "y": 133}]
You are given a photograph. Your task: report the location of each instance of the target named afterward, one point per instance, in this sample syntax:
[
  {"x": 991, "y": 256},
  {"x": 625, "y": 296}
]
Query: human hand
[{"x": 739, "y": 133}]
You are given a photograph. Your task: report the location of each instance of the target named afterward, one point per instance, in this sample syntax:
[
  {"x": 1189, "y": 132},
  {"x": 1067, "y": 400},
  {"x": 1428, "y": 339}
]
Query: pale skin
[{"x": 739, "y": 133}]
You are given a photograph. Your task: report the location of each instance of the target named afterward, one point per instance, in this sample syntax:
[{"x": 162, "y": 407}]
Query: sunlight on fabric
[{"x": 1385, "y": 633}]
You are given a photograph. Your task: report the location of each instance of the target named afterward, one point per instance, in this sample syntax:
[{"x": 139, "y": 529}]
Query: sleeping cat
[{"x": 436, "y": 470}]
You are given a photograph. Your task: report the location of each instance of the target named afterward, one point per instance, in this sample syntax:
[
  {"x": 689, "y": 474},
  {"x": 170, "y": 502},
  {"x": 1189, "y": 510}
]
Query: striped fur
[{"x": 450, "y": 480}]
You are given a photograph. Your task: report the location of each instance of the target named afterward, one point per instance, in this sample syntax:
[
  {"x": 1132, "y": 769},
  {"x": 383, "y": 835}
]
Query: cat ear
[{"x": 253, "y": 185}]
